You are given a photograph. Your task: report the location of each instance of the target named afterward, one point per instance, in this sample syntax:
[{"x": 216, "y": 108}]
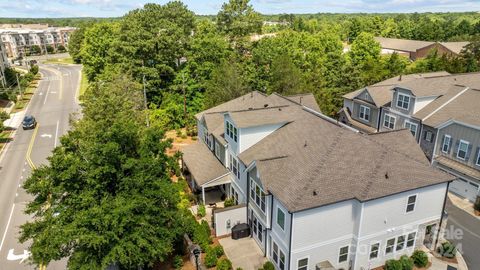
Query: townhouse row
[
  {"x": 440, "y": 109},
  {"x": 316, "y": 194}
]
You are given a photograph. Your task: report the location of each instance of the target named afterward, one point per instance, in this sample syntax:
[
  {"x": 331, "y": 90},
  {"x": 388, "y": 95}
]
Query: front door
[
  {"x": 257, "y": 229},
  {"x": 429, "y": 232}
]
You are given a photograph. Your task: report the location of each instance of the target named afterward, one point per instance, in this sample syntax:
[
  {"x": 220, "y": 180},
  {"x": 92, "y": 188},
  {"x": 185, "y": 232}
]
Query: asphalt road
[
  {"x": 52, "y": 104},
  {"x": 464, "y": 230}
]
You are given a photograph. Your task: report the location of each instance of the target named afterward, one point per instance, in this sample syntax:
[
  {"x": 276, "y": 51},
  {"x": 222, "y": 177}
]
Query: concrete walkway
[
  {"x": 15, "y": 119},
  {"x": 243, "y": 253},
  {"x": 463, "y": 204},
  {"x": 438, "y": 264}
]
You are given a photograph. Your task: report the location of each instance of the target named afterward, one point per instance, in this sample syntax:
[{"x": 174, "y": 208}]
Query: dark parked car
[{"x": 29, "y": 122}]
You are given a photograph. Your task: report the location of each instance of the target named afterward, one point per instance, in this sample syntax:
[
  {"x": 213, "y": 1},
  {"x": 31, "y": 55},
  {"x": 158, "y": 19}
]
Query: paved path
[
  {"x": 464, "y": 230},
  {"x": 52, "y": 103}
]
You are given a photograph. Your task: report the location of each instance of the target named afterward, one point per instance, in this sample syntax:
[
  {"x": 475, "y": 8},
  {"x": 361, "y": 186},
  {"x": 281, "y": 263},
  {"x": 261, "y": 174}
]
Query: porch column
[{"x": 203, "y": 194}]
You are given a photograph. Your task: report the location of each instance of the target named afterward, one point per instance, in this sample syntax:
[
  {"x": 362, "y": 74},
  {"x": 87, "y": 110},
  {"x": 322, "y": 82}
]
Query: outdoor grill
[{"x": 241, "y": 230}]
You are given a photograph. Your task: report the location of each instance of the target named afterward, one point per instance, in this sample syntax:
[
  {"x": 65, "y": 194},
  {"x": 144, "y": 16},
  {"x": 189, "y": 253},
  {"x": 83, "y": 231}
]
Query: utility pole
[
  {"x": 145, "y": 100},
  {"x": 19, "y": 87}
]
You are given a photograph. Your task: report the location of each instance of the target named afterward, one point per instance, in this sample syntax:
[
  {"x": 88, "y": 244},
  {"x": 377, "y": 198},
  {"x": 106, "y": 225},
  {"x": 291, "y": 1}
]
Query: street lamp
[{"x": 196, "y": 252}]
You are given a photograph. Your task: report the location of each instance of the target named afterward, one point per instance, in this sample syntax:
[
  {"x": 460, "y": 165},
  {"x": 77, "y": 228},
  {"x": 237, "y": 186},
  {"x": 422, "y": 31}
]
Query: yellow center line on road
[{"x": 30, "y": 147}]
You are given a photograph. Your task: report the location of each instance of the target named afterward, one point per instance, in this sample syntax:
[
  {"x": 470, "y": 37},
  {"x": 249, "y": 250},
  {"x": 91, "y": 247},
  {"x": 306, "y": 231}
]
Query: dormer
[{"x": 408, "y": 102}]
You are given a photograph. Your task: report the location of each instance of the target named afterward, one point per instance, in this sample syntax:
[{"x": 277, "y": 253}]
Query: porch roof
[
  {"x": 202, "y": 164},
  {"x": 458, "y": 166}
]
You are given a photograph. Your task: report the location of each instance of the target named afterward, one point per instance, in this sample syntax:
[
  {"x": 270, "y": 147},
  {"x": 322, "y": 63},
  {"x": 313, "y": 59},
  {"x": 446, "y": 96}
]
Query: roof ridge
[
  {"x": 273, "y": 158},
  {"x": 259, "y": 109}
]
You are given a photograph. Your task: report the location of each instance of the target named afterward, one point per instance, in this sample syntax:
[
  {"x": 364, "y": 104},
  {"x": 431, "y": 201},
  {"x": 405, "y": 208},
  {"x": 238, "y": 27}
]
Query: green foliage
[
  {"x": 34, "y": 69},
  {"x": 393, "y": 265},
  {"x": 218, "y": 250},
  {"x": 61, "y": 48},
  {"x": 476, "y": 205},
  {"x": 210, "y": 258},
  {"x": 364, "y": 49},
  {"x": 237, "y": 18},
  {"x": 111, "y": 175},
  {"x": 35, "y": 49},
  {"x": 229, "y": 202},
  {"x": 407, "y": 263},
  {"x": 202, "y": 235},
  {"x": 287, "y": 79},
  {"x": 177, "y": 262},
  {"x": 201, "y": 211},
  {"x": 447, "y": 249},
  {"x": 75, "y": 44},
  {"x": 3, "y": 116},
  {"x": 420, "y": 258},
  {"x": 268, "y": 265},
  {"x": 224, "y": 264},
  {"x": 50, "y": 49}
]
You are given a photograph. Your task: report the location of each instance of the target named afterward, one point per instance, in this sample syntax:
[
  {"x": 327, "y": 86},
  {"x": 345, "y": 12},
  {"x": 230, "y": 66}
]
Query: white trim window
[
  {"x": 217, "y": 149},
  {"x": 403, "y": 101},
  {"x": 390, "y": 245},
  {"x": 278, "y": 256},
  {"x": 462, "y": 149},
  {"x": 374, "y": 251},
  {"x": 302, "y": 264},
  {"x": 428, "y": 136},
  {"x": 257, "y": 195},
  {"x": 447, "y": 140},
  {"x": 231, "y": 131},
  {"x": 389, "y": 121},
  {"x": 411, "y": 203},
  {"x": 234, "y": 166},
  {"x": 412, "y": 126},
  {"x": 478, "y": 157},
  {"x": 343, "y": 254},
  {"x": 364, "y": 113},
  {"x": 400, "y": 243},
  {"x": 411, "y": 239},
  {"x": 280, "y": 218}
]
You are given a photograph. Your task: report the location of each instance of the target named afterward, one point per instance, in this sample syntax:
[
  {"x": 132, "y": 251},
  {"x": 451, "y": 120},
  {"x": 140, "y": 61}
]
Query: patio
[{"x": 243, "y": 253}]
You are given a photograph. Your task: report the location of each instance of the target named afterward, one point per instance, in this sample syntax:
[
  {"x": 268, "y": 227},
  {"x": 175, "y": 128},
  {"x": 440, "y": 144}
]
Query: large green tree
[
  {"x": 237, "y": 18},
  {"x": 106, "y": 198}
]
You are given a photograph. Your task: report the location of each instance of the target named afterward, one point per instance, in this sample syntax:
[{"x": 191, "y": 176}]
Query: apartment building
[
  {"x": 317, "y": 194},
  {"x": 18, "y": 41},
  {"x": 441, "y": 111},
  {"x": 3, "y": 64}
]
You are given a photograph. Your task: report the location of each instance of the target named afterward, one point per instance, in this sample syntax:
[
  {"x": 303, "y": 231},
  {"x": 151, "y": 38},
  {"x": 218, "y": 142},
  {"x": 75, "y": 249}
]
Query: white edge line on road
[
  {"x": 463, "y": 227},
  {"x": 6, "y": 228},
  {"x": 46, "y": 95},
  {"x": 56, "y": 134}
]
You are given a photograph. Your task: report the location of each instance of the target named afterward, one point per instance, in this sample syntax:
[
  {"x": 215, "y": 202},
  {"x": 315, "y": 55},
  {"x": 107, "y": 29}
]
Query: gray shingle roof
[
  {"x": 311, "y": 155},
  {"x": 455, "y": 47},
  {"x": 402, "y": 44},
  {"x": 202, "y": 164},
  {"x": 307, "y": 100},
  {"x": 264, "y": 116}
]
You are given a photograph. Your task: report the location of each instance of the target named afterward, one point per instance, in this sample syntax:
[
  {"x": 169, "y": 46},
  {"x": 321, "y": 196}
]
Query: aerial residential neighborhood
[{"x": 239, "y": 135}]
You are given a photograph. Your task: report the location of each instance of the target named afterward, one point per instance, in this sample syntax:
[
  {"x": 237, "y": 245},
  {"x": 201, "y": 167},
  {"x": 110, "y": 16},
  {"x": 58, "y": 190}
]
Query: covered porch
[{"x": 205, "y": 173}]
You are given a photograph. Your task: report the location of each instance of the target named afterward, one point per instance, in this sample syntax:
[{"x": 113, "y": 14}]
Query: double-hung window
[
  {"x": 403, "y": 101},
  {"x": 234, "y": 166},
  {"x": 400, "y": 242},
  {"x": 447, "y": 140},
  {"x": 231, "y": 131},
  {"x": 257, "y": 195},
  {"x": 477, "y": 162},
  {"x": 462, "y": 149},
  {"x": 374, "y": 251},
  {"x": 302, "y": 264},
  {"x": 428, "y": 136},
  {"x": 217, "y": 149},
  {"x": 278, "y": 256},
  {"x": 364, "y": 113},
  {"x": 343, "y": 254},
  {"x": 389, "y": 121},
  {"x": 280, "y": 218},
  {"x": 390, "y": 245},
  {"x": 412, "y": 126},
  {"x": 411, "y": 203},
  {"x": 411, "y": 239}
]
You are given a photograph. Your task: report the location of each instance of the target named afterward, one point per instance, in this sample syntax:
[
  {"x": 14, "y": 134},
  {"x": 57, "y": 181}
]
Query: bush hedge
[
  {"x": 393, "y": 265},
  {"x": 202, "y": 235},
  {"x": 218, "y": 250},
  {"x": 229, "y": 202},
  {"x": 447, "y": 250},
  {"x": 407, "y": 263},
  {"x": 210, "y": 258},
  {"x": 177, "y": 262},
  {"x": 224, "y": 264},
  {"x": 268, "y": 265},
  {"x": 420, "y": 258},
  {"x": 201, "y": 210}
]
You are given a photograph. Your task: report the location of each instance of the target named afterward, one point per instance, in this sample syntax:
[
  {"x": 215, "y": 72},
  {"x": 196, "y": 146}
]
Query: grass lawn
[
  {"x": 83, "y": 83},
  {"x": 66, "y": 60},
  {"x": 4, "y": 138}
]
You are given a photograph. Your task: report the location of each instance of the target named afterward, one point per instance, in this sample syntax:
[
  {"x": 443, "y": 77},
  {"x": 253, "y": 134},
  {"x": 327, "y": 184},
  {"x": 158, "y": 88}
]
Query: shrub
[
  {"x": 202, "y": 235},
  {"x": 239, "y": 268},
  {"x": 447, "y": 250},
  {"x": 407, "y": 263},
  {"x": 393, "y": 265},
  {"x": 183, "y": 136},
  {"x": 224, "y": 264},
  {"x": 476, "y": 205},
  {"x": 201, "y": 212},
  {"x": 229, "y": 202},
  {"x": 34, "y": 69},
  {"x": 268, "y": 265},
  {"x": 210, "y": 258},
  {"x": 420, "y": 258},
  {"x": 177, "y": 262},
  {"x": 218, "y": 250},
  {"x": 179, "y": 132}
]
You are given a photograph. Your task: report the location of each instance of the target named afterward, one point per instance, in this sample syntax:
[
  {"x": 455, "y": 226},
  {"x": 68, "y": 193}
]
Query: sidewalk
[
  {"x": 15, "y": 119},
  {"x": 463, "y": 204},
  {"x": 438, "y": 264}
]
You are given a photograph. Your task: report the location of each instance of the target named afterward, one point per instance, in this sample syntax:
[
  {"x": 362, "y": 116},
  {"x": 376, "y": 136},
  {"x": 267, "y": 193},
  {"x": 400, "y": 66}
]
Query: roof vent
[
  {"x": 400, "y": 77},
  {"x": 315, "y": 193},
  {"x": 250, "y": 108},
  {"x": 386, "y": 175},
  {"x": 305, "y": 145},
  {"x": 251, "y": 94},
  {"x": 301, "y": 100},
  {"x": 280, "y": 109},
  {"x": 265, "y": 105}
]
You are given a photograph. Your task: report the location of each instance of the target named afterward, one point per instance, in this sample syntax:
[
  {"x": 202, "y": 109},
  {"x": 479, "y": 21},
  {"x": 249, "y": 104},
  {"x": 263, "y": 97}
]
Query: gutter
[{"x": 290, "y": 242}]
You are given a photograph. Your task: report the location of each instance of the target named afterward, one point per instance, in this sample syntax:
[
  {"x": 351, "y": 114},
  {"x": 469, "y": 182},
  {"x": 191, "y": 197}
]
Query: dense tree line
[{"x": 208, "y": 60}]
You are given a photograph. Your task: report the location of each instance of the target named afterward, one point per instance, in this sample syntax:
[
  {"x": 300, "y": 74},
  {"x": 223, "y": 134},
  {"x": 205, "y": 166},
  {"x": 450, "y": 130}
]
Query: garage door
[{"x": 464, "y": 188}]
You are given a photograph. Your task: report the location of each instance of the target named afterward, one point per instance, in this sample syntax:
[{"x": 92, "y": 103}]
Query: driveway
[
  {"x": 243, "y": 253},
  {"x": 468, "y": 240}
]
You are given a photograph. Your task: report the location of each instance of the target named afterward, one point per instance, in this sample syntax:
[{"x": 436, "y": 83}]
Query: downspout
[
  {"x": 379, "y": 118},
  {"x": 441, "y": 216},
  {"x": 290, "y": 242}
]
